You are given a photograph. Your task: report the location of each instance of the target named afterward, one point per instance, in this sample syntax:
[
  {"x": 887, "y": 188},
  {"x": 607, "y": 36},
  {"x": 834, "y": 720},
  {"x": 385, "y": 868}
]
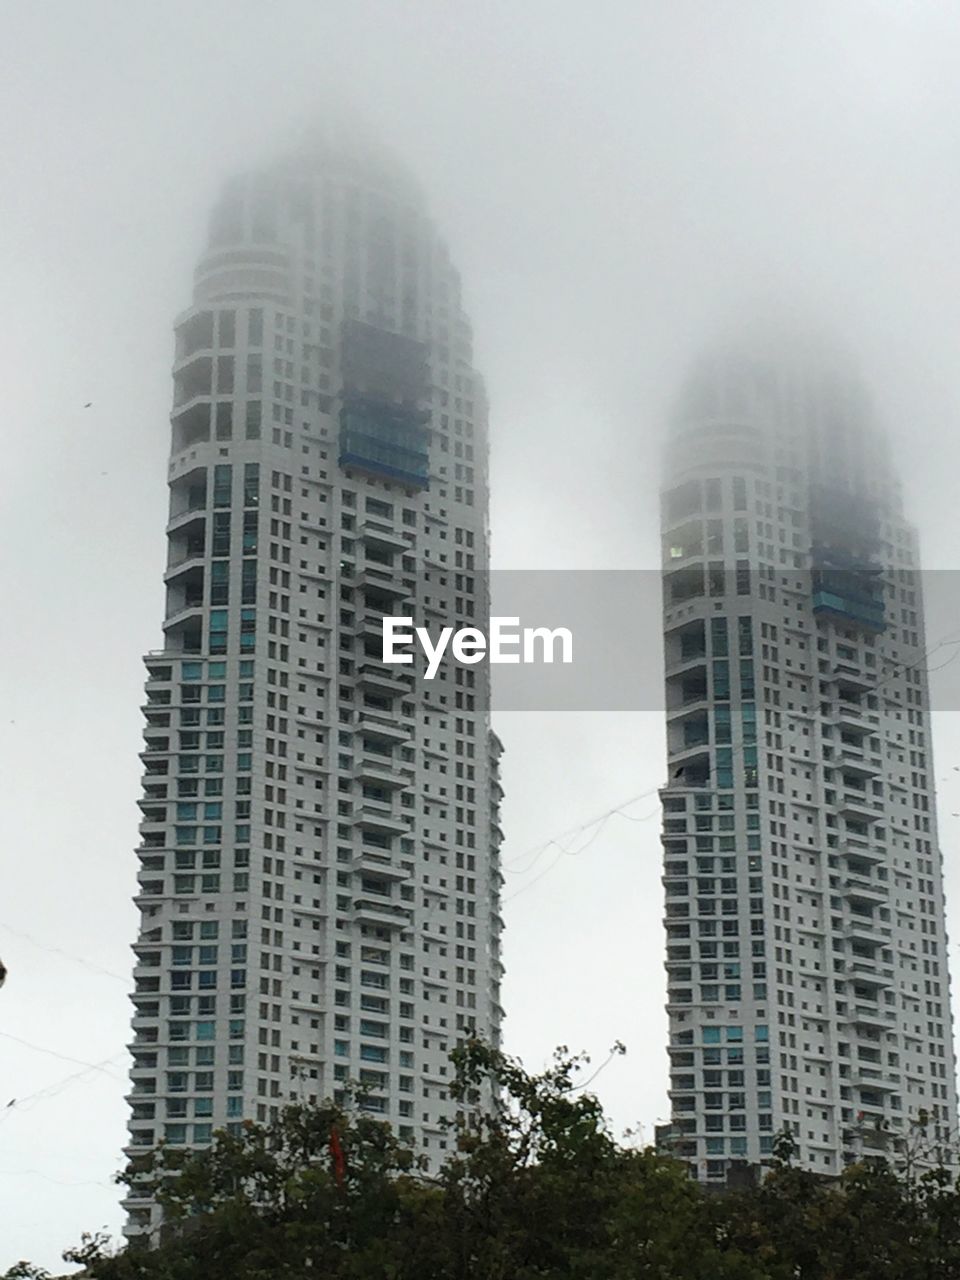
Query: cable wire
[
  {"x": 65, "y": 955},
  {"x": 951, "y": 638}
]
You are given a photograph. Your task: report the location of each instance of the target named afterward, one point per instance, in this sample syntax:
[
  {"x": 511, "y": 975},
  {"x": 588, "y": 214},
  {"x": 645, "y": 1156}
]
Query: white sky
[{"x": 615, "y": 180}]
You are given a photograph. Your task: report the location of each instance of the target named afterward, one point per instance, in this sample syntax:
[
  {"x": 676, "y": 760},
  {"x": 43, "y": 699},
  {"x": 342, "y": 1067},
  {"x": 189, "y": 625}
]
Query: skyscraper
[
  {"x": 808, "y": 982},
  {"x": 319, "y": 876}
]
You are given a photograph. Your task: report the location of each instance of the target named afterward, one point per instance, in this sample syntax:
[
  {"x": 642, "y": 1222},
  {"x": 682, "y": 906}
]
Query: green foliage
[{"x": 535, "y": 1188}]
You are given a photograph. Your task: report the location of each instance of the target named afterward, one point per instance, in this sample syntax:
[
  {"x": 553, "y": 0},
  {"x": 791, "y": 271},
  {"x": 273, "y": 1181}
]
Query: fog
[{"x": 618, "y": 184}]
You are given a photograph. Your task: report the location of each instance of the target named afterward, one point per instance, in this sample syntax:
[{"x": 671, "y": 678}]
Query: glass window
[
  {"x": 251, "y": 484},
  {"x": 721, "y": 724},
  {"x": 221, "y": 541},
  {"x": 228, "y": 329},
  {"x": 222, "y": 484}
]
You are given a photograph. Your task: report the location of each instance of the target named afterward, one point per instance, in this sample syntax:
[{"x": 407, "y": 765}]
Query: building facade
[
  {"x": 808, "y": 985},
  {"x": 319, "y": 871}
]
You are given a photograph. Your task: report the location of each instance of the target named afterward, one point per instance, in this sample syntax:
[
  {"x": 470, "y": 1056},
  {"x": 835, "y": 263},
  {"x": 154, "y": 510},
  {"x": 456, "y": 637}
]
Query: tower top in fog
[
  {"x": 802, "y": 872},
  {"x": 320, "y": 876},
  {"x": 784, "y": 396}
]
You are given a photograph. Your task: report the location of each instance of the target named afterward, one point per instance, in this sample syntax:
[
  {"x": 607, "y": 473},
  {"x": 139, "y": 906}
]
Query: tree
[
  {"x": 534, "y": 1187},
  {"x": 871, "y": 1222}
]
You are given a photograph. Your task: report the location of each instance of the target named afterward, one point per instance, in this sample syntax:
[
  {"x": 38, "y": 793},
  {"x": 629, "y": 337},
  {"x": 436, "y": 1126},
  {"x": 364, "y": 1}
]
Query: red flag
[{"x": 336, "y": 1153}]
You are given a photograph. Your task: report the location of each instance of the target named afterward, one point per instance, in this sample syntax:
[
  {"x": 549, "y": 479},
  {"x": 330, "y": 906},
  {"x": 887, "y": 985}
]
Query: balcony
[
  {"x": 376, "y": 724},
  {"x": 380, "y": 865},
  {"x": 857, "y": 851},
  {"x": 689, "y": 769},
  {"x": 157, "y": 674},
  {"x": 856, "y": 763},
  {"x": 688, "y": 734},
  {"x": 156, "y": 736},
  {"x": 374, "y": 817},
  {"x": 860, "y": 887},
  {"x": 190, "y": 522},
  {"x": 370, "y": 628},
  {"x": 380, "y": 772},
  {"x": 184, "y": 615},
  {"x": 857, "y": 804},
  {"x": 851, "y": 677},
  {"x": 687, "y": 690},
  {"x": 384, "y": 677},
  {"x": 685, "y": 659},
  {"x": 191, "y": 422},
  {"x": 189, "y": 561},
  {"x": 852, "y": 718},
  {"x": 194, "y": 334},
  {"x": 866, "y": 929},
  {"x": 157, "y": 697},
  {"x": 376, "y": 533},
  {"x": 869, "y": 973},
  {"x": 380, "y": 579},
  {"x": 875, "y": 1078},
  {"x": 870, "y": 1016},
  {"x": 383, "y": 914}
]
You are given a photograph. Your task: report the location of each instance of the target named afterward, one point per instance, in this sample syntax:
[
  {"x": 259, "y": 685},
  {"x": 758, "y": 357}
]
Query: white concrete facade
[
  {"x": 806, "y": 950},
  {"x": 319, "y": 865}
]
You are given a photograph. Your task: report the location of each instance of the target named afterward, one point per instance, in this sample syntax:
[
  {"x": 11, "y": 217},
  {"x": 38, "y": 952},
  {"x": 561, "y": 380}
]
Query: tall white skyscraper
[
  {"x": 319, "y": 868},
  {"x": 807, "y": 966}
]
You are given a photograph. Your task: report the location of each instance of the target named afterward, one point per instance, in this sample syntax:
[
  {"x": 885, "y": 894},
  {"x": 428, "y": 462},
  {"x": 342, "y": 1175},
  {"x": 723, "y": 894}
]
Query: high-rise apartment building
[
  {"x": 319, "y": 876},
  {"x": 808, "y": 984}
]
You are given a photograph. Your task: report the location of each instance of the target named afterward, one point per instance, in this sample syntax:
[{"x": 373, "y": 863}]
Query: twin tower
[{"x": 319, "y": 881}]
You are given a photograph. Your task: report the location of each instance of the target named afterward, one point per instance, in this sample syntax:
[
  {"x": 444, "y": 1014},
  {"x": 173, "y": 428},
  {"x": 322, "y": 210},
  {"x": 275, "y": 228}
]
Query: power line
[
  {"x": 953, "y": 657},
  {"x": 571, "y": 832},
  {"x": 57, "y": 1182},
  {"x": 65, "y": 955},
  {"x": 21, "y": 1106},
  {"x": 59, "y": 1086},
  {"x": 951, "y": 638},
  {"x": 53, "y": 1053},
  {"x": 575, "y": 853},
  {"x": 529, "y": 885},
  {"x": 556, "y": 842}
]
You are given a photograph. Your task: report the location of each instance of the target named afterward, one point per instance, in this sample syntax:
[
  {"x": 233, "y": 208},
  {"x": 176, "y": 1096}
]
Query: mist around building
[{"x": 480, "y": 696}]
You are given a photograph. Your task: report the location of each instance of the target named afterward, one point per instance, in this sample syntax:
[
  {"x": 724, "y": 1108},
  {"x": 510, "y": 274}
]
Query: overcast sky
[{"x": 617, "y": 181}]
